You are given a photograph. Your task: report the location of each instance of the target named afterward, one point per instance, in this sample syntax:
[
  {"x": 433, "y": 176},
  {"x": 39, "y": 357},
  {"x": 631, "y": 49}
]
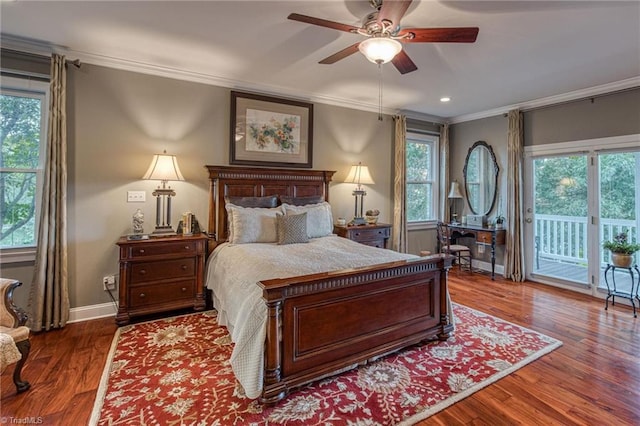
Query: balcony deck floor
[{"x": 579, "y": 274}]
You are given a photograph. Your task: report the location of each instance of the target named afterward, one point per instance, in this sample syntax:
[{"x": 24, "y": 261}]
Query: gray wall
[
  {"x": 493, "y": 131},
  {"x": 118, "y": 119},
  {"x": 605, "y": 116}
]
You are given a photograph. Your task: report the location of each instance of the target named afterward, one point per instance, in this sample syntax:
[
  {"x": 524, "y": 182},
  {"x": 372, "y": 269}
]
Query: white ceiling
[{"x": 526, "y": 51}]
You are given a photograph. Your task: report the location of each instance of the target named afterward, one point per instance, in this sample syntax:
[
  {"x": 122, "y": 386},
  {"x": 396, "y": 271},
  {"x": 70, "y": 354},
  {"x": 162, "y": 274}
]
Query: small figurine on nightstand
[
  {"x": 371, "y": 216},
  {"x": 138, "y": 220}
]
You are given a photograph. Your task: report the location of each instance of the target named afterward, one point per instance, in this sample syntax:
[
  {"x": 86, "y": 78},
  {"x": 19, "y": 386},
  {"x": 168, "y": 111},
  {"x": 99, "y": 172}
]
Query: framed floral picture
[{"x": 269, "y": 131}]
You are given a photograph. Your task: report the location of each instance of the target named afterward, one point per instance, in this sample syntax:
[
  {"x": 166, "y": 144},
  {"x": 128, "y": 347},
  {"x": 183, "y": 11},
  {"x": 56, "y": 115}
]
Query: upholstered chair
[{"x": 12, "y": 324}]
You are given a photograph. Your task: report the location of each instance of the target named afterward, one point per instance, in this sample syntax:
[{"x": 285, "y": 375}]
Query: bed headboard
[{"x": 232, "y": 181}]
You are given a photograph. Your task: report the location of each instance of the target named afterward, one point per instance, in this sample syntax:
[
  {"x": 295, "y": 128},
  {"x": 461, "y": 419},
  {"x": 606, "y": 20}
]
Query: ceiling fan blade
[
  {"x": 393, "y": 11},
  {"x": 322, "y": 23},
  {"x": 403, "y": 63},
  {"x": 440, "y": 35},
  {"x": 341, "y": 54}
]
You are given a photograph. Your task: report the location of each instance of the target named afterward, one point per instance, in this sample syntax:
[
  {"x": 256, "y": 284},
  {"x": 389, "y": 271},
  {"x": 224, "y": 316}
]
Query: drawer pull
[
  {"x": 357, "y": 234},
  {"x": 184, "y": 267},
  {"x": 141, "y": 251},
  {"x": 142, "y": 295},
  {"x": 187, "y": 247},
  {"x": 380, "y": 232},
  {"x": 184, "y": 289},
  {"x": 143, "y": 271}
]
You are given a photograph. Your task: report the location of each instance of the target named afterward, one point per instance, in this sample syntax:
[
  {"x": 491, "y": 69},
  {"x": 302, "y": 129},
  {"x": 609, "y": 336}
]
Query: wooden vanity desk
[{"x": 483, "y": 235}]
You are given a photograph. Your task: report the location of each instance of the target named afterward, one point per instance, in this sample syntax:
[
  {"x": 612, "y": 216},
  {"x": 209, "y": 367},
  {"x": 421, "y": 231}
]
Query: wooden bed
[{"x": 324, "y": 323}]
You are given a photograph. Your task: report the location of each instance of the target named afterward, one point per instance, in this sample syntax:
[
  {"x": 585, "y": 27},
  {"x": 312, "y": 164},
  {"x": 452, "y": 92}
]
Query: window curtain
[
  {"x": 444, "y": 173},
  {"x": 399, "y": 237},
  {"x": 514, "y": 262},
  {"x": 49, "y": 295}
]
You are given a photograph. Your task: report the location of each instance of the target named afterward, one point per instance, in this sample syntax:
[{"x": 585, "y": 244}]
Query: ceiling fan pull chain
[{"x": 380, "y": 92}]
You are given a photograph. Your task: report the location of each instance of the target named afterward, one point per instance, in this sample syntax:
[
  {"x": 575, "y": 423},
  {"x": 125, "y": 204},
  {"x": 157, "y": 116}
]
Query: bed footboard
[{"x": 321, "y": 324}]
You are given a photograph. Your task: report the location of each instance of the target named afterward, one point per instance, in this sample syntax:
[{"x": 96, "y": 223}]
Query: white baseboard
[
  {"x": 86, "y": 313},
  {"x": 486, "y": 266}
]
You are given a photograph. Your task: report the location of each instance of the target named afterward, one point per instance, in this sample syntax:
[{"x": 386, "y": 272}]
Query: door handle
[{"x": 528, "y": 220}]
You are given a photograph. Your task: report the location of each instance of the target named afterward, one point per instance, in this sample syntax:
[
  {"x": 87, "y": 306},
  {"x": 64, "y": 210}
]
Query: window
[
  {"x": 422, "y": 178},
  {"x": 23, "y": 123}
]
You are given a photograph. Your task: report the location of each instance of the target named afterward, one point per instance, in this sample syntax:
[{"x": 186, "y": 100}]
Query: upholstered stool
[{"x": 12, "y": 320}]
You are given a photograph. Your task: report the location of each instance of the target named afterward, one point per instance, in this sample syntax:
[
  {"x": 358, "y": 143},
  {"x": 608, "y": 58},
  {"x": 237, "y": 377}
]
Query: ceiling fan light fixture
[{"x": 380, "y": 50}]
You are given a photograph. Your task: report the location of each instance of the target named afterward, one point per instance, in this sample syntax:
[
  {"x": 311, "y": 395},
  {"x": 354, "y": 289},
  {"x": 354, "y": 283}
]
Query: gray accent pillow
[
  {"x": 292, "y": 229},
  {"x": 263, "y": 202},
  {"x": 301, "y": 201}
]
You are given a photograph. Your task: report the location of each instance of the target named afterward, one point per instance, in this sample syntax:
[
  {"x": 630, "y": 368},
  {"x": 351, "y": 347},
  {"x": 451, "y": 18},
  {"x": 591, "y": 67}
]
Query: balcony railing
[{"x": 564, "y": 238}]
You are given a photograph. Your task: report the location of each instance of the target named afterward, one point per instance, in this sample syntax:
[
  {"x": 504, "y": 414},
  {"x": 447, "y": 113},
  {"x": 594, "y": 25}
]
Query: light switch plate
[{"x": 136, "y": 196}]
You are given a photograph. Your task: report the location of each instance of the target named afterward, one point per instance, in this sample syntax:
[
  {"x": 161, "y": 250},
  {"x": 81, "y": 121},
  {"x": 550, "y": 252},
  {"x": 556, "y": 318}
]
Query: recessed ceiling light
[{"x": 445, "y": 99}]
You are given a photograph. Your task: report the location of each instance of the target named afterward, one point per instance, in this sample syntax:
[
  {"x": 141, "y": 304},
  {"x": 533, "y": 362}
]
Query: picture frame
[{"x": 270, "y": 131}]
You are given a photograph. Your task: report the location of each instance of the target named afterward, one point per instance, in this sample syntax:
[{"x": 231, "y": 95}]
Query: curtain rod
[
  {"x": 592, "y": 98},
  {"x": 75, "y": 62}
]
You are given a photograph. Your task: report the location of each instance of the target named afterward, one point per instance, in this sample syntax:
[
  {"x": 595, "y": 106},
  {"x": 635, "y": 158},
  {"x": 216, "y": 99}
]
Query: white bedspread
[{"x": 234, "y": 270}]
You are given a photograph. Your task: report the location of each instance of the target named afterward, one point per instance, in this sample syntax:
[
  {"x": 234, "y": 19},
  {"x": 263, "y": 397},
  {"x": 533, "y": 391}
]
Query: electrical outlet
[
  {"x": 109, "y": 282},
  {"x": 136, "y": 196}
]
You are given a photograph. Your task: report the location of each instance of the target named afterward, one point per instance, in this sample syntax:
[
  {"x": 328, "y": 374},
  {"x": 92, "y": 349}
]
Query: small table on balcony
[{"x": 632, "y": 294}]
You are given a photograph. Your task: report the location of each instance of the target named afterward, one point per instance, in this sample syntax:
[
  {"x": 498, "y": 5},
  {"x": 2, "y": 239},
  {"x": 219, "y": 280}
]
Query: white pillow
[
  {"x": 252, "y": 225},
  {"x": 319, "y": 218}
]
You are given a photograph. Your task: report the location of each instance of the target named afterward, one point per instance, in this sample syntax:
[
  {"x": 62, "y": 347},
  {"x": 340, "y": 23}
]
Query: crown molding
[
  {"x": 615, "y": 86},
  {"x": 46, "y": 49},
  {"x": 423, "y": 117}
]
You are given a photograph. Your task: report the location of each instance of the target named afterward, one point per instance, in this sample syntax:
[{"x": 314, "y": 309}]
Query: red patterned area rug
[{"x": 176, "y": 372}]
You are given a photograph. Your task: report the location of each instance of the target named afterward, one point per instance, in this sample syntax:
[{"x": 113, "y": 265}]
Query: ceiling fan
[{"x": 385, "y": 35}]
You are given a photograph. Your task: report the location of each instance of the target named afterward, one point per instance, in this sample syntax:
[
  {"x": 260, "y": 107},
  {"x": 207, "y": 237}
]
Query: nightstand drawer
[
  {"x": 150, "y": 271},
  {"x": 485, "y": 237},
  {"x": 362, "y": 235},
  {"x": 376, "y": 235},
  {"x": 160, "y": 293},
  {"x": 373, "y": 243},
  {"x": 144, "y": 250}
]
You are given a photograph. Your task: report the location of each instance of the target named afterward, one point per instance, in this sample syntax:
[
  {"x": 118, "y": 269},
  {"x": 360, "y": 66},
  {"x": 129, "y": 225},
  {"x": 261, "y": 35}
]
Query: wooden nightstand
[
  {"x": 372, "y": 235},
  {"x": 161, "y": 274}
]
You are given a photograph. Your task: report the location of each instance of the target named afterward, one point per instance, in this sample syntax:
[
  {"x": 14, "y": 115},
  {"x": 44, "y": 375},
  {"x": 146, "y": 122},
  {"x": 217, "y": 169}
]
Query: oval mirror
[{"x": 481, "y": 178}]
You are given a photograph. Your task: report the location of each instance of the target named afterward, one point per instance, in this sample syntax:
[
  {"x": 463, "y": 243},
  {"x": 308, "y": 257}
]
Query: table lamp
[
  {"x": 454, "y": 194},
  {"x": 359, "y": 175},
  {"x": 164, "y": 168}
]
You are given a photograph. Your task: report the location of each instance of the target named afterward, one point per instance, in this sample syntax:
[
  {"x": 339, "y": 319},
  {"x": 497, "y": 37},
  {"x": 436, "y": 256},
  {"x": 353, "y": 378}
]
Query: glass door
[
  {"x": 557, "y": 218},
  {"x": 578, "y": 195},
  {"x": 619, "y": 188}
]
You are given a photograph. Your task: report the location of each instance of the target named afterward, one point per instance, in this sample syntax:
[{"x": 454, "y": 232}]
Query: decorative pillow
[
  {"x": 301, "y": 201},
  {"x": 292, "y": 229},
  {"x": 319, "y": 218},
  {"x": 252, "y": 225},
  {"x": 264, "y": 202}
]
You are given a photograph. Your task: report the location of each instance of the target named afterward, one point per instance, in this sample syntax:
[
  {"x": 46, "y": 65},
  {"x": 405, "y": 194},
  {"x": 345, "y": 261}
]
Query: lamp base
[
  {"x": 163, "y": 231},
  {"x": 358, "y": 221}
]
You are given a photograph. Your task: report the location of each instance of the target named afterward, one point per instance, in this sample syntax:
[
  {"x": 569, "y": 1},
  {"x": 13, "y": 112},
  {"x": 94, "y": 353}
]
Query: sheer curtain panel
[
  {"x": 49, "y": 293},
  {"x": 399, "y": 237},
  {"x": 514, "y": 262},
  {"x": 444, "y": 173}
]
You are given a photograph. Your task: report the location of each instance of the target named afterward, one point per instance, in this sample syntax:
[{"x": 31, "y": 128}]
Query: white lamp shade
[
  {"x": 359, "y": 174},
  {"x": 163, "y": 167},
  {"x": 455, "y": 190},
  {"x": 380, "y": 50}
]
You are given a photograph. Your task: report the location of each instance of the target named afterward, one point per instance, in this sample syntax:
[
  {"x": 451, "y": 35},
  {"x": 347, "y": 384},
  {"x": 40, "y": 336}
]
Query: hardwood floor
[{"x": 593, "y": 379}]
